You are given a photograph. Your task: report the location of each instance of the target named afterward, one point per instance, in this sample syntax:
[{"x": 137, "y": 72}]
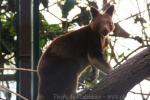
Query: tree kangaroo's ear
[
  {"x": 110, "y": 10},
  {"x": 94, "y": 12}
]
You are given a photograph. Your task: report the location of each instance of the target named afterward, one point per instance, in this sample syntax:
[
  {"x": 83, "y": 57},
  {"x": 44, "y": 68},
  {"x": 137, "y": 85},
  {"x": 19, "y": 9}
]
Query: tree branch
[{"x": 116, "y": 85}]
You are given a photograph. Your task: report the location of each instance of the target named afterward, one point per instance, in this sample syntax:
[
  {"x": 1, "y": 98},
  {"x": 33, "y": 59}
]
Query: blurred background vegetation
[{"x": 131, "y": 40}]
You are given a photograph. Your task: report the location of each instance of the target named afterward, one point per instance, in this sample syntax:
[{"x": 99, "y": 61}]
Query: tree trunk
[{"x": 116, "y": 85}]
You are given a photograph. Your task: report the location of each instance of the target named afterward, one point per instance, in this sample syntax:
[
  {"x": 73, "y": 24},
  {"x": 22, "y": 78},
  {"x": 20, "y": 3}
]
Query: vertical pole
[
  {"x": 24, "y": 48},
  {"x": 17, "y": 46},
  {"x": 34, "y": 46}
]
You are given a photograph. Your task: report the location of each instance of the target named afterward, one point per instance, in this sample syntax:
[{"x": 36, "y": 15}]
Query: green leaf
[
  {"x": 82, "y": 18},
  {"x": 42, "y": 42},
  {"x": 68, "y": 5},
  {"x": 45, "y": 3},
  {"x": 121, "y": 55}
]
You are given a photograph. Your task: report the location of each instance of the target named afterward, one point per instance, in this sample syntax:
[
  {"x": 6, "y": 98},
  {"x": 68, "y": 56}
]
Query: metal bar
[
  {"x": 24, "y": 47},
  {"x": 34, "y": 46},
  {"x": 17, "y": 45}
]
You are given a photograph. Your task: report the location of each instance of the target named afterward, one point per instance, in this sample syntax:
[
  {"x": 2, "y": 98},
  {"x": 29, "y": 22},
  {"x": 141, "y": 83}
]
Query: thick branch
[{"x": 116, "y": 85}]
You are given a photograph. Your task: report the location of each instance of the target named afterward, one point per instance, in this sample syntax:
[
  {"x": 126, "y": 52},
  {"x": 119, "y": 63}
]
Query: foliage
[
  {"x": 7, "y": 31},
  {"x": 45, "y": 3},
  {"x": 48, "y": 32},
  {"x": 8, "y": 34},
  {"x": 66, "y": 7}
]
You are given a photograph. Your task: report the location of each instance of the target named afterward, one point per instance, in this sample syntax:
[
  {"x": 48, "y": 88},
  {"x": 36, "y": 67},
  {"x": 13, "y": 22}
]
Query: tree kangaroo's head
[{"x": 102, "y": 23}]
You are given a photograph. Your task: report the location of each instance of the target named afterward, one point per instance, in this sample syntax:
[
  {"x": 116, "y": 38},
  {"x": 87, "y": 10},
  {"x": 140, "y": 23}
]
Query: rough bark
[{"x": 116, "y": 85}]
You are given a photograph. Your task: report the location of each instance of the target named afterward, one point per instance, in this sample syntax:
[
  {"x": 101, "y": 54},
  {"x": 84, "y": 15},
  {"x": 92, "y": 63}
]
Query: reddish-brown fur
[{"x": 67, "y": 56}]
